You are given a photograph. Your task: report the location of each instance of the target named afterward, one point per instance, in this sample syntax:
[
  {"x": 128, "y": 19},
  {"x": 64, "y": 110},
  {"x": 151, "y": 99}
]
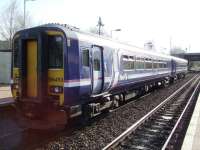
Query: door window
[
  {"x": 97, "y": 63},
  {"x": 85, "y": 57}
]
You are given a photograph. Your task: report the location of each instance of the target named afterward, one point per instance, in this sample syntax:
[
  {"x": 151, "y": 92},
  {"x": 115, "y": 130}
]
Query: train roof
[{"x": 75, "y": 33}]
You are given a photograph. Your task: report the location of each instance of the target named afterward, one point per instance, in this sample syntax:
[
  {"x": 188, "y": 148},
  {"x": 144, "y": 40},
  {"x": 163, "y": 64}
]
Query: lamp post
[
  {"x": 25, "y": 12},
  {"x": 114, "y": 30},
  {"x": 100, "y": 24}
]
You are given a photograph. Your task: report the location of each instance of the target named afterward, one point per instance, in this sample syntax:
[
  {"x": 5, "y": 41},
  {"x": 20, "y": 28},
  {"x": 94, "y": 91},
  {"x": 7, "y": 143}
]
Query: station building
[
  {"x": 193, "y": 60},
  {"x": 5, "y": 66}
]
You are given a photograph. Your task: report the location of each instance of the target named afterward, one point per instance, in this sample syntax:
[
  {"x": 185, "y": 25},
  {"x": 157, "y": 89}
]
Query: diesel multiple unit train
[{"x": 59, "y": 73}]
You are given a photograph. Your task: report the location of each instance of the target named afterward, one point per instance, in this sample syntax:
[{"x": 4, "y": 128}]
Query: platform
[
  {"x": 192, "y": 137},
  {"x": 5, "y": 95}
]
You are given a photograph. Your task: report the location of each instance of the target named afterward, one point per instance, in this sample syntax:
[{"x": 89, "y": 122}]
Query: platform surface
[
  {"x": 192, "y": 137},
  {"x": 5, "y": 95}
]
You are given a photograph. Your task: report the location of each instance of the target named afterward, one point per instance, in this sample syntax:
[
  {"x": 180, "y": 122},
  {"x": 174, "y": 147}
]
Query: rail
[{"x": 177, "y": 123}]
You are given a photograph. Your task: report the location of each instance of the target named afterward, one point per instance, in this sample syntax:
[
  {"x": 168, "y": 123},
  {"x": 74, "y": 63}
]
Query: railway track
[
  {"x": 154, "y": 130},
  {"x": 96, "y": 135}
]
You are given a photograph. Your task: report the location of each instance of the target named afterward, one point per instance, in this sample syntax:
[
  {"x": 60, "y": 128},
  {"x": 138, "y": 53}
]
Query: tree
[{"x": 11, "y": 21}]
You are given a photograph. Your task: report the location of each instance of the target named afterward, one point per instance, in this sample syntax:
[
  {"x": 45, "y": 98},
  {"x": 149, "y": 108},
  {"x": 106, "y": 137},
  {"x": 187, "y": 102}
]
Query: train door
[
  {"x": 31, "y": 51},
  {"x": 97, "y": 70}
]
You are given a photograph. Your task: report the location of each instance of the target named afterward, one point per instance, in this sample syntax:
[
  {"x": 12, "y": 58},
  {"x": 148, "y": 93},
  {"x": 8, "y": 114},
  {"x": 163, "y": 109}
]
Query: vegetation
[{"x": 11, "y": 20}]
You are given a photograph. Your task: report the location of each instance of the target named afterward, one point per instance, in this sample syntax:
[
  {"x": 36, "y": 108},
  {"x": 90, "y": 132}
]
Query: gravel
[{"x": 103, "y": 130}]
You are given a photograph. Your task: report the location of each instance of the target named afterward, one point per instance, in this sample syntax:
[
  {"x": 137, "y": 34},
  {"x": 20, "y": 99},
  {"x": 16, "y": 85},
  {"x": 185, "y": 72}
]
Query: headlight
[{"x": 56, "y": 89}]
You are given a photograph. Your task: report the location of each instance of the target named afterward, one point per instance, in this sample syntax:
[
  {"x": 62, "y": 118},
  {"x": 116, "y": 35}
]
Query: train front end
[{"x": 38, "y": 77}]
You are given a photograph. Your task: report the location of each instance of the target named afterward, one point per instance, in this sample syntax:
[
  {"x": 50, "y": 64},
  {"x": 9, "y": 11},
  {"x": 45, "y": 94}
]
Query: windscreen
[{"x": 55, "y": 51}]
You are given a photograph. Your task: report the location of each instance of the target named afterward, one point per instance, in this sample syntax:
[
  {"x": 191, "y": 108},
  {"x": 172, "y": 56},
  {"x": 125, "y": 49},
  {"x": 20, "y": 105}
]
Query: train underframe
[
  {"x": 48, "y": 116},
  {"x": 116, "y": 99}
]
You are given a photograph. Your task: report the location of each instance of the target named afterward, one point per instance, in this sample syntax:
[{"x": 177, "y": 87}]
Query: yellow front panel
[
  {"x": 54, "y": 33},
  {"x": 32, "y": 68},
  {"x": 55, "y": 78}
]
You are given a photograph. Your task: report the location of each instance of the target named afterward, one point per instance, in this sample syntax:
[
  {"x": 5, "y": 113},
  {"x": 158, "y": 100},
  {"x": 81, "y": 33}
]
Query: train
[{"x": 59, "y": 73}]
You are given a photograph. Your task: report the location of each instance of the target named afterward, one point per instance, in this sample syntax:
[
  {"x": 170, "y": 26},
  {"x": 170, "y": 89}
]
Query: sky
[{"x": 139, "y": 20}]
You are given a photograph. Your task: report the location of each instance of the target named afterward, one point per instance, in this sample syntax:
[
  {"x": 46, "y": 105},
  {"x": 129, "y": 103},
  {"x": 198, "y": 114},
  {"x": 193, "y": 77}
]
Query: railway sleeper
[
  {"x": 142, "y": 147},
  {"x": 147, "y": 143},
  {"x": 161, "y": 123},
  {"x": 150, "y": 137},
  {"x": 156, "y": 126},
  {"x": 161, "y": 120},
  {"x": 135, "y": 146},
  {"x": 165, "y": 125},
  {"x": 145, "y": 135},
  {"x": 169, "y": 115}
]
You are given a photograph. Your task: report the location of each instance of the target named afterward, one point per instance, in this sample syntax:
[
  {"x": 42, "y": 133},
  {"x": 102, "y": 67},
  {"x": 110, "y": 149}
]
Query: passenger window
[
  {"x": 125, "y": 62},
  {"x": 160, "y": 65},
  {"x": 137, "y": 63},
  {"x": 85, "y": 57},
  {"x": 132, "y": 64},
  {"x": 141, "y": 65},
  {"x": 148, "y": 65},
  {"x": 128, "y": 62},
  {"x": 126, "y": 65},
  {"x": 155, "y": 64}
]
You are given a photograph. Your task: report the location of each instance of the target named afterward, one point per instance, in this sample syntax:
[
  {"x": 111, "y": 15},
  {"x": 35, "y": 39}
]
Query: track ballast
[{"x": 154, "y": 130}]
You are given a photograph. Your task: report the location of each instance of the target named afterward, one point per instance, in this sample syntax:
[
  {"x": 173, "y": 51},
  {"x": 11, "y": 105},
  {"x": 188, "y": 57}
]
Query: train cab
[{"x": 38, "y": 71}]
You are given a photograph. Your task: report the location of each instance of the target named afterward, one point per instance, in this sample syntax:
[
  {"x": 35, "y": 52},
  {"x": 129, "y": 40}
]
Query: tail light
[
  {"x": 15, "y": 83},
  {"x": 56, "y": 89}
]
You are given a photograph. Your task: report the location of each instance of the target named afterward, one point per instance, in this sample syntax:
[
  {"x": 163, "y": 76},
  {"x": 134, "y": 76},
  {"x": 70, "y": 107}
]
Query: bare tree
[{"x": 11, "y": 21}]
